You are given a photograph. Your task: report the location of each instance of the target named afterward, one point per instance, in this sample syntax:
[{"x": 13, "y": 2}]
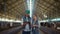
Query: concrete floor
[
  {"x": 15, "y": 30},
  {"x": 21, "y": 32}
]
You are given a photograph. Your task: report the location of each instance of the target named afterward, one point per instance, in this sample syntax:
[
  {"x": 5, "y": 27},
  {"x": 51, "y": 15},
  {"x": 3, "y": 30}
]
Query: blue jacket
[
  {"x": 29, "y": 21},
  {"x": 24, "y": 19},
  {"x": 36, "y": 30}
]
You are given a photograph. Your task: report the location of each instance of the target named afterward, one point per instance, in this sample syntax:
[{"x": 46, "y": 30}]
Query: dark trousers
[{"x": 26, "y": 32}]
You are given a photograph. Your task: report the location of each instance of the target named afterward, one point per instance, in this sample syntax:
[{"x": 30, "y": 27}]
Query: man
[{"x": 26, "y": 23}]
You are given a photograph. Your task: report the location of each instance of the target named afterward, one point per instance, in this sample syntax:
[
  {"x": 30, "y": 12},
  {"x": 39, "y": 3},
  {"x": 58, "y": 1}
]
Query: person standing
[
  {"x": 35, "y": 27},
  {"x": 26, "y": 24}
]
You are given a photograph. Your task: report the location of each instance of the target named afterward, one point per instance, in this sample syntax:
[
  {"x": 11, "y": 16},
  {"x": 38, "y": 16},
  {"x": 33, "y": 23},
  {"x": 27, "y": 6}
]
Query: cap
[{"x": 27, "y": 11}]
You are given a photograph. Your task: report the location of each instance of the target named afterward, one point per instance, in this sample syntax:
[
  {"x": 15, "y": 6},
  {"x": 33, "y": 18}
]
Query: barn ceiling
[
  {"x": 14, "y": 9},
  {"x": 48, "y": 8}
]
